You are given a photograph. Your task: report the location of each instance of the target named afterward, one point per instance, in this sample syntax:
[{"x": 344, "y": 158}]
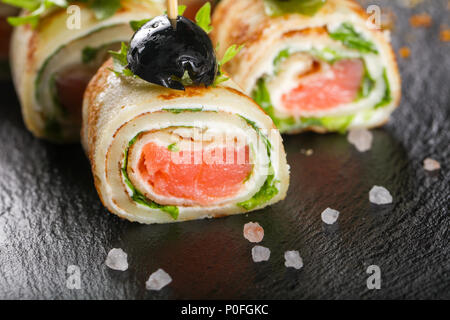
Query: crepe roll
[
  {"x": 53, "y": 62},
  {"x": 313, "y": 65},
  {"x": 160, "y": 155}
]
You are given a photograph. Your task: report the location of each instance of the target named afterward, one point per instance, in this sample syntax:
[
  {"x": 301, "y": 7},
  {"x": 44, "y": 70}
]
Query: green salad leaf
[
  {"x": 181, "y": 9},
  {"x": 178, "y": 111},
  {"x": 367, "y": 84},
  {"x": 327, "y": 54},
  {"x": 387, "y": 98},
  {"x": 104, "y": 9},
  {"x": 305, "y": 7},
  {"x": 282, "y": 55},
  {"x": 203, "y": 17},
  {"x": 267, "y": 192},
  {"x": 173, "y": 147},
  {"x": 121, "y": 62},
  {"x": 230, "y": 53},
  {"x": 347, "y": 34},
  {"x": 88, "y": 54},
  {"x": 339, "y": 124},
  {"x": 137, "y": 24},
  {"x": 263, "y": 136}
]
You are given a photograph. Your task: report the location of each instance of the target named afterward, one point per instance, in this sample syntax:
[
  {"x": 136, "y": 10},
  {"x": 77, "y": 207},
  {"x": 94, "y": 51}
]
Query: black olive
[{"x": 161, "y": 51}]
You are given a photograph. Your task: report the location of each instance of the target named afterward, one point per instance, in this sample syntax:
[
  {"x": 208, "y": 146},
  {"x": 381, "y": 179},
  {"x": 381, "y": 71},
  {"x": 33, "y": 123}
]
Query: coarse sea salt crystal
[
  {"x": 260, "y": 253},
  {"x": 330, "y": 216},
  {"x": 361, "y": 139},
  {"x": 293, "y": 260},
  {"x": 253, "y": 232},
  {"x": 380, "y": 195},
  {"x": 117, "y": 260},
  {"x": 158, "y": 280},
  {"x": 431, "y": 164}
]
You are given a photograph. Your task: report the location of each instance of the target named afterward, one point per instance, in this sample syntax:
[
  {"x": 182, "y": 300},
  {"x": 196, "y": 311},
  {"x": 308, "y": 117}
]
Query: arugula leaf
[
  {"x": 137, "y": 196},
  {"x": 121, "y": 62},
  {"x": 178, "y": 111},
  {"x": 327, "y": 54},
  {"x": 104, "y": 9},
  {"x": 282, "y": 55},
  {"x": 203, "y": 17},
  {"x": 263, "y": 137},
  {"x": 186, "y": 80},
  {"x": 173, "y": 147},
  {"x": 387, "y": 93},
  {"x": 367, "y": 84},
  {"x": 230, "y": 53},
  {"x": 36, "y": 7},
  {"x": 29, "y": 5},
  {"x": 267, "y": 192},
  {"x": 280, "y": 7},
  {"x": 137, "y": 24},
  {"x": 219, "y": 79},
  {"x": 88, "y": 54},
  {"x": 181, "y": 9},
  {"x": 339, "y": 124},
  {"x": 352, "y": 39}
]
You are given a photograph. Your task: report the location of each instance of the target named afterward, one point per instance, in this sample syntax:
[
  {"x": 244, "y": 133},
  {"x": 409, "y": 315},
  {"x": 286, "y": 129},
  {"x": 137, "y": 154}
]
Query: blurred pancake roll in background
[
  {"x": 318, "y": 65},
  {"x": 55, "y": 51}
]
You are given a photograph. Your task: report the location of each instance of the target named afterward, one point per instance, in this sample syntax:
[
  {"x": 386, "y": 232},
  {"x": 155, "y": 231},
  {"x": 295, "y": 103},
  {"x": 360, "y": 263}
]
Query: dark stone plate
[{"x": 51, "y": 217}]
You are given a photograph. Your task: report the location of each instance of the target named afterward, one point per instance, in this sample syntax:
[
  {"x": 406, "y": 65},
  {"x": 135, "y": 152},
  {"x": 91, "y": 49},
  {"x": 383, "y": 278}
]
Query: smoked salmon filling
[
  {"x": 52, "y": 64},
  {"x": 162, "y": 155},
  {"x": 326, "y": 71}
]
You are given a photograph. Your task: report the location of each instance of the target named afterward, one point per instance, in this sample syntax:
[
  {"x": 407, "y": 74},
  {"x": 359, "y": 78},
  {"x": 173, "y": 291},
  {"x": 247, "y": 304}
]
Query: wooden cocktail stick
[{"x": 172, "y": 9}]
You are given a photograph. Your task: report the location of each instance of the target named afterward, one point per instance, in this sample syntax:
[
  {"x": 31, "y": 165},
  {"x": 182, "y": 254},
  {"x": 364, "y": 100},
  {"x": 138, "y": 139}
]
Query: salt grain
[
  {"x": 330, "y": 216},
  {"x": 117, "y": 260},
  {"x": 293, "y": 260},
  {"x": 260, "y": 253},
  {"x": 380, "y": 195},
  {"x": 431, "y": 164},
  {"x": 253, "y": 232},
  {"x": 158, "y": 280},
  {"x": 361, "y": 139}
]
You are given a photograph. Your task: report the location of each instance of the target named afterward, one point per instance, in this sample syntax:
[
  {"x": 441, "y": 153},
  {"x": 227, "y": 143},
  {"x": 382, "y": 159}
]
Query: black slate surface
[{"x": 51, "y": 217}]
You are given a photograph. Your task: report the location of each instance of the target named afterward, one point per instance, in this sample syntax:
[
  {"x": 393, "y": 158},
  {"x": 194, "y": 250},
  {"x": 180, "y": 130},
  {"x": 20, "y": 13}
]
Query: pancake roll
[
  {"x": 161, "y": 155},
  {"x": 318, "y": 65},
  {"x": 53, "y": 61}
]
